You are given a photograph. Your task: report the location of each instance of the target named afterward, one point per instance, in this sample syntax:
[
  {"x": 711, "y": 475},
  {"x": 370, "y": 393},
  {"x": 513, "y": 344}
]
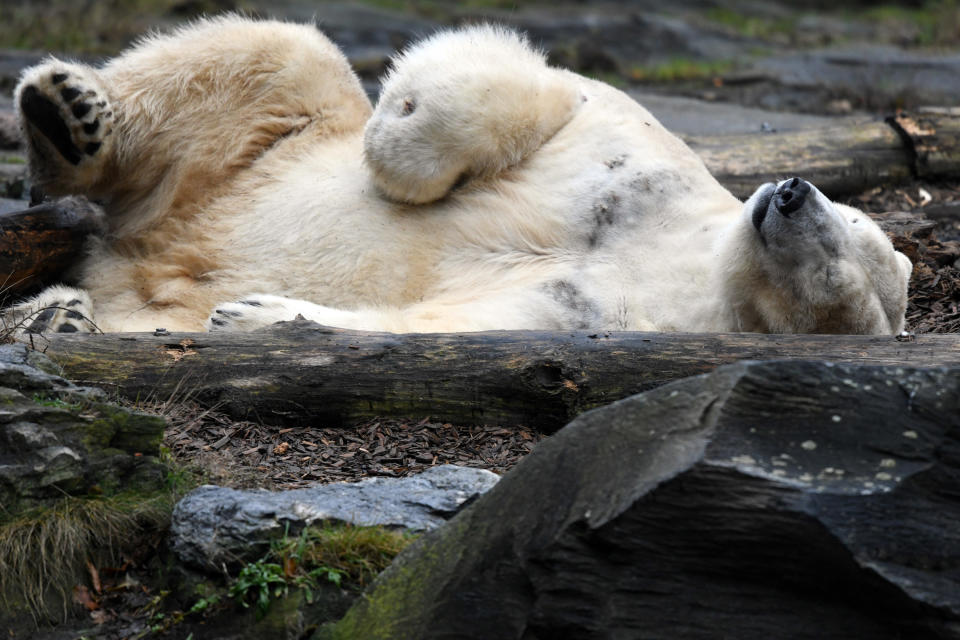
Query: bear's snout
[{"x": 791, "y": 195}]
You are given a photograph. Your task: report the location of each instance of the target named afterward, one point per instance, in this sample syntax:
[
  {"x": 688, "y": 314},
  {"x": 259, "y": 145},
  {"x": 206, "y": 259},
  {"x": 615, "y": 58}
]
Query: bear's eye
[{"x": 409, "y": 104}]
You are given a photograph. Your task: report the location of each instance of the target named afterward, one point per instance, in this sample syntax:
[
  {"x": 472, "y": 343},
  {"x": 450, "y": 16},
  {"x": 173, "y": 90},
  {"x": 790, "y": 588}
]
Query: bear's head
[
  {"x": 462, "y": 105},
  {"x": 795, "y": 262}
]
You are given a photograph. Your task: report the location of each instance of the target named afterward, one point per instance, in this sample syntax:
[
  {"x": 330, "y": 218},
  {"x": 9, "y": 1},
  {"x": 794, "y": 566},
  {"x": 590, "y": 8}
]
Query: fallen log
[
  {"x": 37, "y": 245},
  {"x": 303, "y": 373}
]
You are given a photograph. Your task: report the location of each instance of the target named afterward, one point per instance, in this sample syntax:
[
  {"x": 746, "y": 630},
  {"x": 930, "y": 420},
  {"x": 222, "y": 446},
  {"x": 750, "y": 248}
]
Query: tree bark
[
  {"x": 37, "y": 245},
  {"x": 302, "y": 373}
]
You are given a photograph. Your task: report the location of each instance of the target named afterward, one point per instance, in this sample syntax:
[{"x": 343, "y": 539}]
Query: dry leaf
[
  {"x": 94, "y": 577},
  {"x": 81, "y": 595}
]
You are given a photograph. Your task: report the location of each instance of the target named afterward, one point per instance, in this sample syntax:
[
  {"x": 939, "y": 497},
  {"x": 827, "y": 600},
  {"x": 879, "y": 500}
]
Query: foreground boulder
[
  {"x": 58, "y": 439},
  {"x": 764, "y": 500},
  {"x": 216, "y": 525}
]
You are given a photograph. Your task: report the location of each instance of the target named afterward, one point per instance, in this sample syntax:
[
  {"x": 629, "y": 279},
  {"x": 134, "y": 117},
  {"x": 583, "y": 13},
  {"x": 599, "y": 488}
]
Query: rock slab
[
  {"x": 59, "y": 439},
  {"x": 216, "y": 525},
  {"x": 764, "y": 500}
]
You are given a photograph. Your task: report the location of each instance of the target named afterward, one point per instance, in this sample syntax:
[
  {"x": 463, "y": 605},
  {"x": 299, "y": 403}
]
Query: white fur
[{"x": 246, "y": 161}]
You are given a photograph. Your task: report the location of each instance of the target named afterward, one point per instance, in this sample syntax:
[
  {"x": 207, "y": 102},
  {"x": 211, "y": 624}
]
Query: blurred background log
[
  {"x": 839, "y": 161},
  {"x": 38, "y": 245}
]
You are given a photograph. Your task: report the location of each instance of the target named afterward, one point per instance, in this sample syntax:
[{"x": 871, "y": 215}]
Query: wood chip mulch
[
  {"x": 927, "y": 230},
  {"x": 246, "y": 454}
]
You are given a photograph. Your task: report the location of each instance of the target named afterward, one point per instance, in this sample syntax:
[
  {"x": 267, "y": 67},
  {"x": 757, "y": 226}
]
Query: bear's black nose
[{"x": 791, "y": 195}]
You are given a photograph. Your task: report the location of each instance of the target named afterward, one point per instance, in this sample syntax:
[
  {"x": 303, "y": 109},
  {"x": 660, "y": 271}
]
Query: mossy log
[
  {"x": 37, "y": 245},
  {"x": 303, "y": 373}
]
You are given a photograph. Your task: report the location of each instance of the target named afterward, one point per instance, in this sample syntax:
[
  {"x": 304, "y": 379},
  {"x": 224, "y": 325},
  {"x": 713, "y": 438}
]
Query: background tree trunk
[{"x": 302, "y": 373}]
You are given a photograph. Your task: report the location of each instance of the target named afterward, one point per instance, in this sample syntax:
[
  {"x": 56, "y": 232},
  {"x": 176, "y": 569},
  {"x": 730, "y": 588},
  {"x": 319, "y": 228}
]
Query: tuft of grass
[
  {"x": 44, "y": 552},
  {"x": 681, "y": 70}
]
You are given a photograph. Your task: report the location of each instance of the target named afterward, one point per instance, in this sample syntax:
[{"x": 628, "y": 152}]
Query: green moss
[
  {"x": 751, "y": 25},
  {"x": 124, "y": 430},
  {"x": 344, "y": 555},
  {"x": 358, "y": 554},
  {"x": 47, "y": 401}
]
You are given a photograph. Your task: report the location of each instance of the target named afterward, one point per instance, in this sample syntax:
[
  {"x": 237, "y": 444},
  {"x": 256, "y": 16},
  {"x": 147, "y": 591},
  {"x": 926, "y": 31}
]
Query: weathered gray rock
[
  {"x": 214, "y": 525},
  {"x": 764, "y": 500},
  {"x": 59, "y": 439}
]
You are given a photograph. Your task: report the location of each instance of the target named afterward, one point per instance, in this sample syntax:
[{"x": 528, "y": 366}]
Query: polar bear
[{"x": 247, "y": 180}]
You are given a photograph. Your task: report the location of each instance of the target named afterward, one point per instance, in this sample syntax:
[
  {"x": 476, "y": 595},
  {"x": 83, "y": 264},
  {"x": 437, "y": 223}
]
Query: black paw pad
[
  {"x": 91, "y": 148},
  {"x": 69, "y": 94},
  {"x": 58, "y": 78},
  {"x": 91, "y": 127},
  {"x": 43, "y": 114},
  {"x": 66, "y": 328},
  {"x": 80, "y": 109}
]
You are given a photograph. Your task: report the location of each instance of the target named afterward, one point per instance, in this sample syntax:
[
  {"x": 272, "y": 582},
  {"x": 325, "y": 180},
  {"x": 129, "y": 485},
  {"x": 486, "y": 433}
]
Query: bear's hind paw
[{"x": 66, "y": 106}]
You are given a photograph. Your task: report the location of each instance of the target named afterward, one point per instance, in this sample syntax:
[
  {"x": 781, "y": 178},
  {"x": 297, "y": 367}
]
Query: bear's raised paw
[{"x": 66, "y": 105}]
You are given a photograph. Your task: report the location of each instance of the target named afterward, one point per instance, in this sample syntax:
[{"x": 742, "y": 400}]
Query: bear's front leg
[
  {"x": 57, "y": 309},
  {"x": 68, "y": 123}
]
